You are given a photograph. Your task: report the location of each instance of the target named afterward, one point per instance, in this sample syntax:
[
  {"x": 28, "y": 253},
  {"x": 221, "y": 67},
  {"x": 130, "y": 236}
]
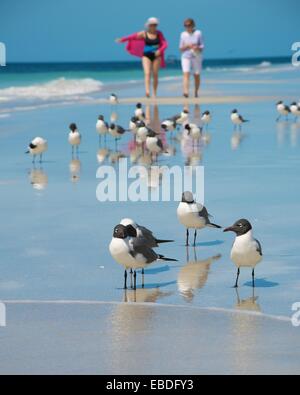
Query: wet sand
[{"x": 125, "y": 338}]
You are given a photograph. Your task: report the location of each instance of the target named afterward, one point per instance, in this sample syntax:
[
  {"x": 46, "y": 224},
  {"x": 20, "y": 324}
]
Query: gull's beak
[{"x": 229, "y": 229}]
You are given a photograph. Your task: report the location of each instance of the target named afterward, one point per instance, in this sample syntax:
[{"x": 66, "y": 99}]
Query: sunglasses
[{"x": 188, "y": 26}]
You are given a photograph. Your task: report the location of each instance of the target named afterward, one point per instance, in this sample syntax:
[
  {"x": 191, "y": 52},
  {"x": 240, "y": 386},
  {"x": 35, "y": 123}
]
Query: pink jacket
[{"x": 136, "y": 46}]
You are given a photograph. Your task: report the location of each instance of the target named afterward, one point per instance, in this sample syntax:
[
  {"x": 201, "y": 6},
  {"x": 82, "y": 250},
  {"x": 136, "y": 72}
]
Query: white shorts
[{"x": 192, "y": 65}]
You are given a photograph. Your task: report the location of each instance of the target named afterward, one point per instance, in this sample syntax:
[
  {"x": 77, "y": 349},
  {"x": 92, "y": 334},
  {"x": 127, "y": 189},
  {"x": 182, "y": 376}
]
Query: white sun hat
[{"x": 152, "y": 21}]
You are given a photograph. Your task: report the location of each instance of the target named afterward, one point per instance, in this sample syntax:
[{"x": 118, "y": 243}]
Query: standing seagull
[
  {"x": 237, "y": 119},
  {"x": 139, "y": 113},
  {"x": 206, "y": 118},
  {"x": 146, "y": 234},
  {"x": 193, "y": 216},
  {"x": 113, "y": 98},
  {"x": 74, "y": 137},
  {"x": 132, "y": 252},
  {"x": 246, "y": 251},
  {"x": 295, "y": 110},
  {"x": 37, "y": 147},
  {"x": 283, "y": 110},
  {"x": 154, "y": 144},
  {"x": 102, "y": 127},
  {"x": 194, "y": 132},
  {"x": 116, "y": 131}
]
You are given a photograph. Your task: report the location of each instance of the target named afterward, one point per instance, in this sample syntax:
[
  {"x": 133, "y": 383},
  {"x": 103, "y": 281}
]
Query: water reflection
[
  {"x": 194, "y": 275},
  {"x": 38, "y": 179},
  {"x": 236, "y": 140},
  {"x": 75, "y": 168},
  {"x": 144, "y": 295},
  {"x": 248, "y": 304}
]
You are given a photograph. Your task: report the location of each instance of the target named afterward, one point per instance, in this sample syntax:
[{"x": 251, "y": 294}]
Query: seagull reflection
[
  {"x": 75, "y": 168},
  {"x": 144, "y": 295},
  {"x": 282, "y": 130},
  {"x": 249, "y": 304},
  {"x": 38, "y": 179},
  {"x": 193, "y": 276},
  {"x": 102, "y": 154},
  {"x": 295, "y": 129},
  {"x": 206, "y": 138},
  {"x": 114, "y": 117},
  {"x": 236, "y": 140}
]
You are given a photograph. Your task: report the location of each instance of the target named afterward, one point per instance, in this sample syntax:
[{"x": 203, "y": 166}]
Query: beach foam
[{"x": 59, "y": 88}]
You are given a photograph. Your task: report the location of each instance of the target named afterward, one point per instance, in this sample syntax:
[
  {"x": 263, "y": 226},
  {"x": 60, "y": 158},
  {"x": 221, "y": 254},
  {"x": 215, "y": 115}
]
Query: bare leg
[
  {"x": 186, "y": 84},
  {"x": 125, "y": 279},
  {"x": 155, "y": 67},
  {"x": 253, "y": 278},
  {"x": 195, "y": 237},
  {"x": 237, "y": 279},
  {"x": 134, "y": 278},
  {"x": 143, "y": 278},
  {"x": 197, "y": 84},
  {"x": 187, "y": 237},
  {"x": 147, "y": 65}
]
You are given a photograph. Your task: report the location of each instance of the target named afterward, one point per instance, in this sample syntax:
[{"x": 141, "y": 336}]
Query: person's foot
[
  {"x": 196, "y": 94},
  {"x": 148, "y": 95},
  {"x": 186, "y": 95}
]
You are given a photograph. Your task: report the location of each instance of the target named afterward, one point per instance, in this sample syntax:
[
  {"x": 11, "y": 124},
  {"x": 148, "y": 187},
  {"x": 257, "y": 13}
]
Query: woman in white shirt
[{"x": 191, "y": 47}]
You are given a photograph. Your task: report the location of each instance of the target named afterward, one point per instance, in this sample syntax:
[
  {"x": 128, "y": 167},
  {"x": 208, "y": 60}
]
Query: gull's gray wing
[
  {"x": 204, "y": 214},
  {"x": 139, "y": 246},
  {"x": 259, "y": 248},
  {"x": 148, "y": 236}
]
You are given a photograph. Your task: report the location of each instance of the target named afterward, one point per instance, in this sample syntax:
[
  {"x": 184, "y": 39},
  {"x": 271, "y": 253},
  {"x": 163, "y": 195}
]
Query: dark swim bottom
[{"x": 151, "y": 56}]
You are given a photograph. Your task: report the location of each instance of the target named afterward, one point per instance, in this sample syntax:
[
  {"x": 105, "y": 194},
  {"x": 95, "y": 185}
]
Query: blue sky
[{"x": 77, "y": 30}]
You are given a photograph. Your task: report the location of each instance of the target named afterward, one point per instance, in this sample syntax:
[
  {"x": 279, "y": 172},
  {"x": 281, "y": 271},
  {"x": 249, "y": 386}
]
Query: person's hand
[
  {"x": 118, "y": 40},
  {"x": 157, "y": 54}
]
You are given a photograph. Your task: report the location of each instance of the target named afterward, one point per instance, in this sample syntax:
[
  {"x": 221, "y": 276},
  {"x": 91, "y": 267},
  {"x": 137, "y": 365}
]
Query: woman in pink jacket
[{"x": 150, "y": 45}]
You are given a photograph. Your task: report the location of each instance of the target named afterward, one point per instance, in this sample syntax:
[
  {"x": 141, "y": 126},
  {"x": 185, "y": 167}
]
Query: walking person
[
  {"x": 191, "y": 47},
  {"x": 150, "y": 45}
]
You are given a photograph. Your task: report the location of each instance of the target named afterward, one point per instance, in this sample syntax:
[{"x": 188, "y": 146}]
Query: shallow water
[{"x": 55, "y": 234}]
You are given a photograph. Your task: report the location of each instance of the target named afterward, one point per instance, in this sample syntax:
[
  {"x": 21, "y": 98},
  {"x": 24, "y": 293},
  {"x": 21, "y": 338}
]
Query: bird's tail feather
[
  {"x": 27, "y": 152},
  {"x": 214, "y": 226},
  {"x": 164, "y": 241},
  {"x": 163, "y": 258}
]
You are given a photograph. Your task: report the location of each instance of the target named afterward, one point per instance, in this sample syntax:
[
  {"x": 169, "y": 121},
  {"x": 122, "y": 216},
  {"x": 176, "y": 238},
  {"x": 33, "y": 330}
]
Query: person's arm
[
  {"x": 200, "y": 44},
  {"x": 134, "y": 36},
  {"x": 182, "y": 46}
]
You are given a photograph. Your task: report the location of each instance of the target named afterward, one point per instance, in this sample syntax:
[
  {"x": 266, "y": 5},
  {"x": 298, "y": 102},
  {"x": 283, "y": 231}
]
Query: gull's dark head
[
  {"x": 279, "y": 103},
  {"x": 240, "y": 228},
  {"x": 120, "y": 232},
  {"x": 187, "y": 197},
  {"x": 206, "y": 113},
  {"x": 134, "y": 119},
  {"x": 112, "y": 126},
  {"x": 73, "y": 127},
  {"x": 101, "y": 118},
  {"x": 139, "y": 105},
  {"x": 235, "y": 111}
]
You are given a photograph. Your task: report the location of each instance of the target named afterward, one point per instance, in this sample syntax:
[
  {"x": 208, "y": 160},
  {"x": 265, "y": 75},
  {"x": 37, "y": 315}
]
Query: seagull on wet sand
[
  {"x": 193, "y": 216},
  {"x": 206, "y": 118},
  {"x": 37, "y": 147},
  {"x": 154, "y": 144},
  {"x": 132, "y": 252},
  {"x": 116, "y": 131},
  {"x": 246, "y": 251},
  {"x": 139, "y": 112},
  {"x": 74, "y": 137},
  {"x": 283, "y": 110},
  {"x": 113, "y": 98},
  {"x": 295, "y": 110},
  {"x": 237, "y": 119},
  {"x": 193, "y": 131},
  {"x": 102, "y": 127}
]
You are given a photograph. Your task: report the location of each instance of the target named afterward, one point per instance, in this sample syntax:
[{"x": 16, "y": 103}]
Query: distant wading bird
[
  {"x": 246, "y": 251},
  {"x": 74, "y": 137},
  {"x": 237, "y": 119},
  {"x": 283, "y": 111},
  {"x": 102, "y": 128},
  {"x": 38, "y": 146}
]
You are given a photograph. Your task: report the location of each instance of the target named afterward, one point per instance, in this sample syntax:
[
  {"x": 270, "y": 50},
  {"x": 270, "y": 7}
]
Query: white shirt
[{"x": 191, "y": 39}]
